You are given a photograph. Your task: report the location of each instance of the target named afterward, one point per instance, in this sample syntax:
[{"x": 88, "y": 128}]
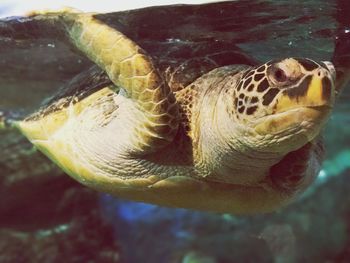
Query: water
[{"x": 45, "y": 216}]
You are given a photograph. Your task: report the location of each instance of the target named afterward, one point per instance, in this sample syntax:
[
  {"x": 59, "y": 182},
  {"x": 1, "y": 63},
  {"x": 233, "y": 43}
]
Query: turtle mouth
[
  {"x": 303, "y": 117},
  {"x": 319, "y": 108}
]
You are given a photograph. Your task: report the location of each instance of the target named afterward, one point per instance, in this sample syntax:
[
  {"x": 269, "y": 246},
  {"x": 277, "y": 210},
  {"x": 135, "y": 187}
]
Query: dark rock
[{"x": 84, "y": 238}]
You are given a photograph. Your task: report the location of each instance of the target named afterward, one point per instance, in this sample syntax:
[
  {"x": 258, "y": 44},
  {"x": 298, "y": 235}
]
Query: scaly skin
[
  {"x": 127, "y": 66},
  {"x": 129, "y": 143}
]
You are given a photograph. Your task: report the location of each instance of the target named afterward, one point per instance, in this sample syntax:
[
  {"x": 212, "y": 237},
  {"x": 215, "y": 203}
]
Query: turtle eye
[{"x": 279, "y": 75}]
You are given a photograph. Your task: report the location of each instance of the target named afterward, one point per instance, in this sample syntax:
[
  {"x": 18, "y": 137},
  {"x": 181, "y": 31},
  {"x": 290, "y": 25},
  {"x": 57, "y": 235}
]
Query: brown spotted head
[{"x": 284, "y": 102}]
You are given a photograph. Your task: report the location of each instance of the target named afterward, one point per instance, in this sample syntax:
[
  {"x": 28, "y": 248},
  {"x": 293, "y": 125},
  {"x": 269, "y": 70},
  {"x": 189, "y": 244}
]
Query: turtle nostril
[
  {"x": 329, "y": 65},
  {"x": 330, "y": 68}
]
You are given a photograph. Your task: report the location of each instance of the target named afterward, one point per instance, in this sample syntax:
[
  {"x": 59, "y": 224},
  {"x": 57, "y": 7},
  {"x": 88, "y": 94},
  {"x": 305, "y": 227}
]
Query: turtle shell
[{"x": 187, "y": 35}]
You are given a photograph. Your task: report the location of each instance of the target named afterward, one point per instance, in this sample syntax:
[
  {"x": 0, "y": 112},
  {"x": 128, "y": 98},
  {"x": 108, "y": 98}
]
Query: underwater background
[{"x": 45, "y": 216}]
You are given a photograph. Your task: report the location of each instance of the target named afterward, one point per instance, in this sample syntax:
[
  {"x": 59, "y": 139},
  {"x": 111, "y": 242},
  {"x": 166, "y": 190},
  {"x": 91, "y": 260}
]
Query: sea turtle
[{"x": 190, "y": 131}]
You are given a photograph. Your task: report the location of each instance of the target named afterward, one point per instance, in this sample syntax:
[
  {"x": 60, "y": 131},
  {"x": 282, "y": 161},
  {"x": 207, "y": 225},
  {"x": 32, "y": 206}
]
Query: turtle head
[{"x": 284, "y": 103}]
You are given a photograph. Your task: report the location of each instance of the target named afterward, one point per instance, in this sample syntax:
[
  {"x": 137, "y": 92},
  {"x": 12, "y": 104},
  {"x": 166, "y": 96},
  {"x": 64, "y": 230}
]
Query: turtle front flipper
[
  {"x": 298, "y": 169},
  {"x": 128, "y": 67}
]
